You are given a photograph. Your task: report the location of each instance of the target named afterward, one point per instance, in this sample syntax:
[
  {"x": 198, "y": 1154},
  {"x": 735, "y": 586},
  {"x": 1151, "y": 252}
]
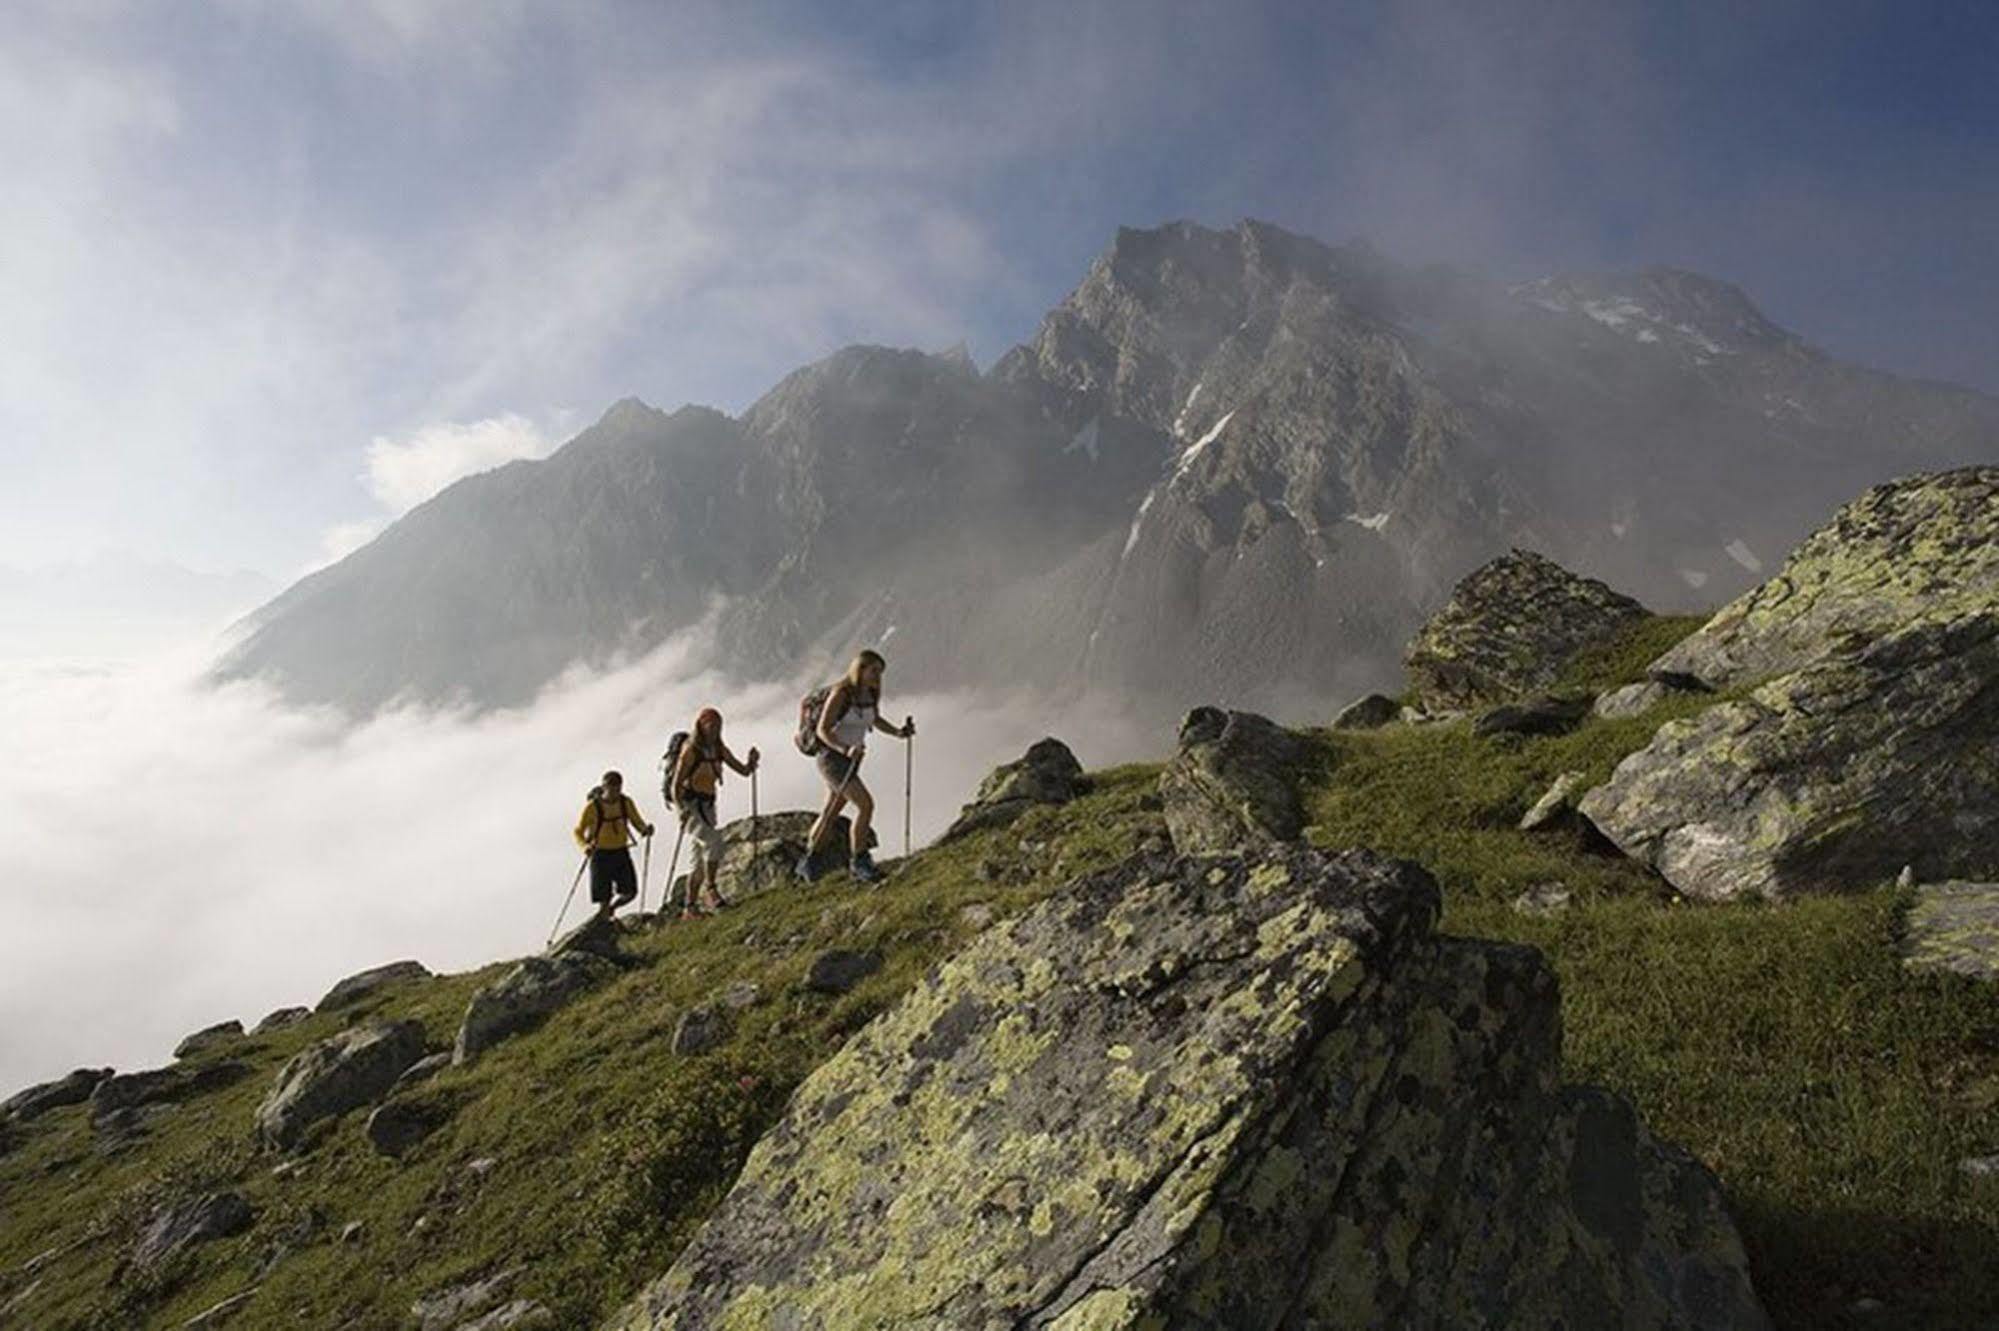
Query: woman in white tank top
[{"x": 851, "y": 714}]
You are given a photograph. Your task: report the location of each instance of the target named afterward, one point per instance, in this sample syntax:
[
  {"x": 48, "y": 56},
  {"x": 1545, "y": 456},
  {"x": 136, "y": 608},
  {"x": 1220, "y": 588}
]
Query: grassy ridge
[{"x": 1784, "y": 1045}]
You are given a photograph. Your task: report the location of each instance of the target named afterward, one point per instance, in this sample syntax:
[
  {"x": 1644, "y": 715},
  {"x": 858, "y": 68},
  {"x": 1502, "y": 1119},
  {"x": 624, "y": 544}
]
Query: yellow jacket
[{"x": 604, "y": 825}]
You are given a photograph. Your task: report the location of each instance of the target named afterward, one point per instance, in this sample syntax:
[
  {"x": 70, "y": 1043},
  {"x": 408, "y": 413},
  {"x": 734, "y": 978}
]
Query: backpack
[
  {"x": 597, "y": 807},
  {"x": 669, "y": 763},
  {"x": 809, "y": 708}
]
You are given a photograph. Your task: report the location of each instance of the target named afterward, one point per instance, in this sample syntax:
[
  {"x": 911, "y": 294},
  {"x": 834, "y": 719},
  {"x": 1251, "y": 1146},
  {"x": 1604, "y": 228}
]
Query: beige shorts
[{"x": 697, "y": 819}]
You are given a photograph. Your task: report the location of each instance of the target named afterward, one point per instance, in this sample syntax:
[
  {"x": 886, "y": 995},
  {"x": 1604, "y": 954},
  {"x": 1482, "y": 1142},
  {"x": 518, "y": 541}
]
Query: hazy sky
[{"x": 272, "y": 271}]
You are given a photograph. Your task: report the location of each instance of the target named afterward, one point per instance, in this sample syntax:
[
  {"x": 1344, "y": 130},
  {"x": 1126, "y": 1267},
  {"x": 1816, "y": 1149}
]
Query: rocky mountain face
[{"x": 1232, "y": 466}]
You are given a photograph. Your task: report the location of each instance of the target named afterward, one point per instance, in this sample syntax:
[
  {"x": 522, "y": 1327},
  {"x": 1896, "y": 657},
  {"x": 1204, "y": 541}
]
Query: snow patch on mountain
[
  {"x": 1743, "y": 555},
  {"x": 1214, "y": 432},
  {"x": 1085, "y": 440},
  {"x": 1180, "y": 421},
  {"x": 1371, "y": 521}
]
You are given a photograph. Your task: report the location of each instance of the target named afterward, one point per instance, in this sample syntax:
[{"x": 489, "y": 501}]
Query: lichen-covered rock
[
  {"x": 1509, "y": 629},
  {"x": 1557, "y": 801},
  {"x": 1829, "y": 778},
  {"x": 523, "y": 997},
  {"x": 597, "y": 935},
  {"x": 1954, "y": 927},
  {"x": 1926, "y": 547},
  {"x": 447, "y": 1308},
  {"x": 1232, "y": 782},
  {"x": 342, "y": 1072},
  {"x": 35, "y": 1101},
  {"x": 184, "y": 1223},
  {"x": 1370, "y": 713},
  {"x": 1047, "y": 773},
  {"x": 209, "y": 1037},
  {"x": 368, "y": 983},
  {"x": 1206, "y": 1093},
  {"x": 1631, "y": 700}
]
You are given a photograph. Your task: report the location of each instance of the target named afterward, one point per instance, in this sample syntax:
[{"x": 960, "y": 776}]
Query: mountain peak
[
  {"x": 1663, "y": 304},
  {"x": 629, "y": 412}
]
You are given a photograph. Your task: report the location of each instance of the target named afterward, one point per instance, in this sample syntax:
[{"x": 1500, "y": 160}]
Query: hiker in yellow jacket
[{"x": 604, "y": 828}]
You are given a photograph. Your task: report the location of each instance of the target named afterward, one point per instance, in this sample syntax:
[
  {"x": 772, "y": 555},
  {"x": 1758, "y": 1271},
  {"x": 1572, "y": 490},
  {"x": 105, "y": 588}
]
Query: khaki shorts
[{"x": 697, "y": 818}]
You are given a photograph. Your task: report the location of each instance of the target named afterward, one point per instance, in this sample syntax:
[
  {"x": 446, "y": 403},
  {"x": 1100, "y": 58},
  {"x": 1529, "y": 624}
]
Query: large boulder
[
  {"x": 209, "y": 1038},
  {"x": 758, "y": 857},
  {"x": 1829, "y": 778},
  {"x": 1206, "y": 1093},
  {"x": 1047, "y": 773},
  {"x": 1509, "y": 630},
  {"x": 368, "y": 983},
  {"x": 38, "y": 1100},
  {"x": 1369, "y": 713},
  {"x": 1232, "y": 782},
  {"x": 1926, "y": 547},
  {"x": 523, "y": 997},
  {"x": 342, "y": 1072},
  {"x": 120, "y": 1103}
]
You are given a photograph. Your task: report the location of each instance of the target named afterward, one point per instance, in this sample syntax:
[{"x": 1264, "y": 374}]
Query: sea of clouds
[{"x": 174, "y": 854}]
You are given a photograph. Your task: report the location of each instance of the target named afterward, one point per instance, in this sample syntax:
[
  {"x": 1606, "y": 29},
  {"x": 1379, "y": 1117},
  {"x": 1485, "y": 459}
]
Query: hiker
[
  {"x": 604, "y": 829},
  {"x": 852, "y": 710},
  {"x": 697, "y": 774}
]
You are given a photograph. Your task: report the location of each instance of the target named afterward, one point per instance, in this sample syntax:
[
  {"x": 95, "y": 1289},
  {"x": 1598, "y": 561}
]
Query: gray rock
[
  {"x": 1560, "y": 799},
  {"x": 1979, "y": 1166},
  {"x": 335, "y": 1075},
  {"x": 977, "y": 915},
  {"x": 283, "y": 1017},
  {"x": 1111, "y": 1115},
  {"x": 740, "y": 995},
  {"x": 838, "y": 971},
  {"x": 351, "y": 1231},
  {"x": 448, "y": 1308},
  {"x": 1925, "y": 547},
  {"x": 399, "y": 1125},
  {"x": 115, "y": 1097},
  {"x": 1954, "y": 927},
  {"x": 1047, "y": 773},
  {"x": 423, "y": 1070},
  {"x": 523, "y": 997},
  {"x": 700, "y": 1029},
  {"x": 222, "y": 1313},
  {"x": 182, "y": 1224},
  {"x": 762, "y": 858},
  {"x": 1369, "y": 713},
  {"x": 1543, "y": 900},
  {"x": 1509, "y": 630},
  {"x": 597, "y": 936},
  {"x": 1232, "y": 782},
  {"x": 368, "y": 983},
  {"x": 73, "y": 1089},
  {"x": 1828, "y": 779},
  {"x": 1546, "y": 715},
  {"x": 209, "y": 1037},
  {"x": 1631, "y": 700}
]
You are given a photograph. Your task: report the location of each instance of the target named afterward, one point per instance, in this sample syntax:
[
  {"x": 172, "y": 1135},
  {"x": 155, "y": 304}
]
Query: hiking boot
[
  {"x": 864, "y": 868},
  {"x": 805, "y": 870}
]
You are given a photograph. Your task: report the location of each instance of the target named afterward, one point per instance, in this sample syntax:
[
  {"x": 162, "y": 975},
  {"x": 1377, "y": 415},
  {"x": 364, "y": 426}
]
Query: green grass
[
  {"x": 1832, "y": 1093},
  {"x": 608, "y": 1149}
]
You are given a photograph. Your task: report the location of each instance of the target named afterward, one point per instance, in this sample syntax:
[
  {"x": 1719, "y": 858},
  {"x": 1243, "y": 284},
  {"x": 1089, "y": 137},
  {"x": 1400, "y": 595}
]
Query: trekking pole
[
  {"x": 569, "y": 898},
  {"x": 908, "y": 778},
  {"x": 673, "y": 867},
  {"x": 756, "y": 837},
  {"x": 645, "y": 873}
]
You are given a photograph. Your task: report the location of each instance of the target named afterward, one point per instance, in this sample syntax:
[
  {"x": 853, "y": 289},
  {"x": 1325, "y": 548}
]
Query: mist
[{"x": 174, "y": 855}]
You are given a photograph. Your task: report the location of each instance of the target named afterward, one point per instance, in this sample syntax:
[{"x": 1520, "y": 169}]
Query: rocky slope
[{"x": 1231, "y": 465}]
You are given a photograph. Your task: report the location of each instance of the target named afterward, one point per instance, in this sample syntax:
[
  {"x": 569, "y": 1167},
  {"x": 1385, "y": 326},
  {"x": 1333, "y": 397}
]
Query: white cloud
[
  {"x": 404, "y": 473},
  {"x": 343, "y": 539},
  {"x": 171, "y": 856}
]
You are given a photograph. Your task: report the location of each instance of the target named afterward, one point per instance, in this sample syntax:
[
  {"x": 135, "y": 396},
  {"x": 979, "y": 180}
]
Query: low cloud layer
[{"x": 172, "y": 856}]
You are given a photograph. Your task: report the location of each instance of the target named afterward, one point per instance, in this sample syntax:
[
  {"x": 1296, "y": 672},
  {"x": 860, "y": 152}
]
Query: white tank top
[{"x": 853, "y": 728}]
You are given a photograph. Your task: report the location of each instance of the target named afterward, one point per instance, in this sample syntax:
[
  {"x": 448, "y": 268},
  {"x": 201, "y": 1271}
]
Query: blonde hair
[{"x": 866, "y": 657}]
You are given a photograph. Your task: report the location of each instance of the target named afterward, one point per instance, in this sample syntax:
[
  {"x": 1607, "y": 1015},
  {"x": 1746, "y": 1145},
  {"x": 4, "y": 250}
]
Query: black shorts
[
  {"x": 836, "y": 768},
  {"x": 611, "y": 869}
]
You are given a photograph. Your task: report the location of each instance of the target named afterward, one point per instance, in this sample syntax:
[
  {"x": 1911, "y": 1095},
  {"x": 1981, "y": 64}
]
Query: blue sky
[{"x": 273, "y": 271}]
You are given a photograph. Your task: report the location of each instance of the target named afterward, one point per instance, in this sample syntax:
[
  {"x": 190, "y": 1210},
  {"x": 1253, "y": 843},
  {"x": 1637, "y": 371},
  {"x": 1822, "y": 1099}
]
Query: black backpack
[{"x": 669, "y": 763}]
